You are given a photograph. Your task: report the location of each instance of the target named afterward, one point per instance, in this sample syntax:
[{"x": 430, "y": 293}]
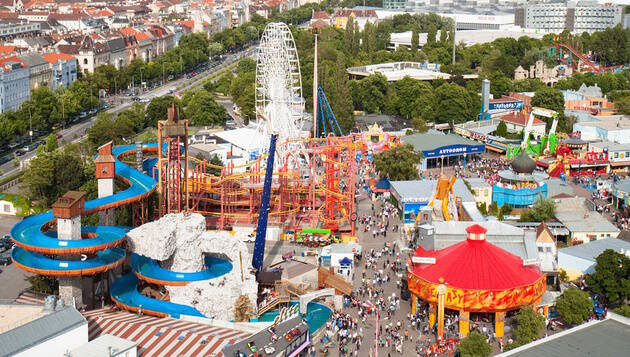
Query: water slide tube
[{"x": 100, "y": 250}]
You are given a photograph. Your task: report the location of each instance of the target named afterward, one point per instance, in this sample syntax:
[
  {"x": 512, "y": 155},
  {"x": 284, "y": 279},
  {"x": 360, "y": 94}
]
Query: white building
[
  {"x": 583, "y": 223},
  {"x": 340, "y": 257},
  {"x": 575, "y": 17},
  {"x": 578, "y": 260},
  {"x": 64, "y": 69},
  {"x": 14, "y": 84},
  {"x": 107, "y": 346},
  {"x": 18, "y": 28},
  {"x": 614, "y": 128}
]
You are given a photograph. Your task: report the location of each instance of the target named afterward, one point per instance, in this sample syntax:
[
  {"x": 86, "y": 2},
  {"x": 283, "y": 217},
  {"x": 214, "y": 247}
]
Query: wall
[
  {"x": 585, "y": 237},
  {"x": 58, "y": 345},
  {"x": 7, "y": 208},
  {"x": 517, "y": 198}
]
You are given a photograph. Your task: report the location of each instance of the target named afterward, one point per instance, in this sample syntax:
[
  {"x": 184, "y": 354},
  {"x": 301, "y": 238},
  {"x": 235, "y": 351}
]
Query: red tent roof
[{"x": 476, "y": 264}]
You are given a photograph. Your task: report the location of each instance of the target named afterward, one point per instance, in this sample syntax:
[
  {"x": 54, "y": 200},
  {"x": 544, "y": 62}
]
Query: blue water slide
[
  {"x": 32, "y": 242},
  {"x": 124, "y": 292},
  {"x": 149, "y": 269}
]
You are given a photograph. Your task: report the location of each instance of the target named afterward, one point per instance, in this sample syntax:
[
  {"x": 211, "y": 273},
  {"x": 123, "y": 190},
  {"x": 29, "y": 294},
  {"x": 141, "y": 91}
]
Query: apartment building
[{"x": 575, "y": 17}]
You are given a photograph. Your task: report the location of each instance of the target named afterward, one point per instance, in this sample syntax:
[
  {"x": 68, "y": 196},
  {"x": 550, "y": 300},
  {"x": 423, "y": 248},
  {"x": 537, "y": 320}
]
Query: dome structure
[{"x": 523, "y": 164}]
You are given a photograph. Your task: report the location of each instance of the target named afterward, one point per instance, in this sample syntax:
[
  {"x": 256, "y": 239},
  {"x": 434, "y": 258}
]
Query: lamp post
[{"x": 30, "y": 123}]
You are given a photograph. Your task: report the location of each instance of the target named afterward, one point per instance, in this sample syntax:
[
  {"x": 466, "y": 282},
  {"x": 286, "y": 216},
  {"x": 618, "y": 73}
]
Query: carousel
[
  {"x": 520, "y": 185},
  {"x": 473, "y": 276}
]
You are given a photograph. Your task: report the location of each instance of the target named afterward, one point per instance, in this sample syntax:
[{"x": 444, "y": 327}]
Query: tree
[
  {"x": 157, "y": 108},
  {"x": 414, "y": 40},
  {"x": 51, "y": 143},
  {"x": 549, "y": 98},
  {"x": 574, "y": 305},
  {"x": 242, "y": 309},
  {"x": 399, "y": 163},
  {"x": 541, "y": 210},
  {"x": 529, "y": 325},
  {"x": 622, "y": 105},
  {"x": 502, "y": 129},
  {"x": 202, "y": 109},
  {"x": 623, "y": 310},
  {"x": 611, "y": 278},
  {"x": 419, "y": 125},
  {"x": 474, "y": 345},
  {"x": 454, "y": 104}
]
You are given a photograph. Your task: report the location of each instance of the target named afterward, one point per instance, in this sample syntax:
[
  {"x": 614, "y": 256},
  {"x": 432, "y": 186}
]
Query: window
[
  {"x": 548, "y": 249},
  {"x": 85, "y": 61},
  {"x": 540, "y": 249}
]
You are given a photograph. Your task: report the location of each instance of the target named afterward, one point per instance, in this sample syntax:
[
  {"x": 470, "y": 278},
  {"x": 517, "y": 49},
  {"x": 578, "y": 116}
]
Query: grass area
[
  {"x": 23, "y": 205},
  {"x": 11, "y": 177},
  {"x": 148, "y": 135}
]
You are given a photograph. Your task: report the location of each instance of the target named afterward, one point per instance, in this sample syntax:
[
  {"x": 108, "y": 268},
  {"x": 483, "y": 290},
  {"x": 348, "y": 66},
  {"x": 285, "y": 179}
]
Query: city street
[{"x": 79, "y": 131}]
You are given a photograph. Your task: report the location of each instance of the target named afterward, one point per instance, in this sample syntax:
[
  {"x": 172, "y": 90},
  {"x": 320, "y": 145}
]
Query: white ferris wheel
[{"x": 279, "y": 102}]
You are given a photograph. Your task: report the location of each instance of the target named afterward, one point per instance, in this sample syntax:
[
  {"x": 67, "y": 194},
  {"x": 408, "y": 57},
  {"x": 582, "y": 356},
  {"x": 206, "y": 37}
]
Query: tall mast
[{"x": 315, "y": 91}]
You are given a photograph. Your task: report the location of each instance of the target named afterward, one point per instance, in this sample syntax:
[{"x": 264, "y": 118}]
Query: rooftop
[
  {"x": 422, "y": 190},
  {"x": 573, "y": 213},
  {"x": 593, "y": 249},
  {"x": 39, "y": 329},
  {"x": 611, "y": 146},
  {"x": 609, "y": 122},
  {"x": 14, "y": 315},
  {"x": 431, "y": 141},
  {"x": 100, "y": 347},
  {"x": 609, "y": 337},
  {"x": 396, "y": 71},
  {"x": 512, "y": 239}
]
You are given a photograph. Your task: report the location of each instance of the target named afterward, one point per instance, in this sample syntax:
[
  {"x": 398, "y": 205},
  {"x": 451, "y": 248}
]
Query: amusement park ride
[
  {"x": 547, "y": 144},
  {"x": 571, "y": 57}
]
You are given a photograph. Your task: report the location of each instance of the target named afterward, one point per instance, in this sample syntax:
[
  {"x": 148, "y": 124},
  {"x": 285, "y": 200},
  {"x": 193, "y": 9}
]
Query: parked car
[{"x": 5, "y": 259}]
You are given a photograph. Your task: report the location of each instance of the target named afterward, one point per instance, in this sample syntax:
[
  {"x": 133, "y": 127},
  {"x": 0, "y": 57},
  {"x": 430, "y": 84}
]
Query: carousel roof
[
  {"x": 476, "y": 264},
  {"x": 523, "y": 164}
]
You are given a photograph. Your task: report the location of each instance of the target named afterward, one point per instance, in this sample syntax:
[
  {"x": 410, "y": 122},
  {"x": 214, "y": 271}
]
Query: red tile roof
[
  {"x": 5, "y": 50},
  {"x": 520, "y": 119},
  {"x": 321, "y": 15},
  {"x": 55, "y": 57},
  {"x": 187, "y": 23}
]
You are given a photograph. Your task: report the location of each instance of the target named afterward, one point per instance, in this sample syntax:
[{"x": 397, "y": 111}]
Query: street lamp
[{"x": 30, "y": 123}]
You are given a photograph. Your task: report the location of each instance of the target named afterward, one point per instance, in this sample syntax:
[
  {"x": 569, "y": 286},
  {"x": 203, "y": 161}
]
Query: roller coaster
[{"x": 571, "y": 57}]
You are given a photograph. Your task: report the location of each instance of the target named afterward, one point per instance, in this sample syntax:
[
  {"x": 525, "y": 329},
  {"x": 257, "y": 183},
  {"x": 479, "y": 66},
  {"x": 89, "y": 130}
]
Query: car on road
[
  {"x": 83, "y": 114},
  {"x": 171, "y": 90},
  {"x": 5, "y": 259},
  {"x": 59, "y": 136}
]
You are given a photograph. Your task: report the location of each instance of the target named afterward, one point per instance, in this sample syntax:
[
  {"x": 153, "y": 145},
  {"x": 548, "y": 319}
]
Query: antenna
[{"x": 315, "y": 91}]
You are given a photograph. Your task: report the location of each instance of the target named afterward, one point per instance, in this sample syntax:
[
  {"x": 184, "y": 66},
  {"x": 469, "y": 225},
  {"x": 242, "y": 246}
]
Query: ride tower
[{"x": 172, "y": 163}]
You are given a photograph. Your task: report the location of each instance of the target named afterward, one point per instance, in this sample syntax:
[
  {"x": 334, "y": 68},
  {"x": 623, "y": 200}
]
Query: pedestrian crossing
[{"x": 162, "y": 336}]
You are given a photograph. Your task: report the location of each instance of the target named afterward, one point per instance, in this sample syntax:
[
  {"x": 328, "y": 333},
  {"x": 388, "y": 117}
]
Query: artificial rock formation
[{"x": 180, "y": 242}]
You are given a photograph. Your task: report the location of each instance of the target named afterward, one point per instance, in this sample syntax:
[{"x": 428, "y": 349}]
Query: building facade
[
  {"x": 39, "y": 69},
  {"x": 14, "y": 85},
  {"x": 10, "y": 29},
  {"x": 574, "y": 17},
  {"x": 64, "y": 69}
]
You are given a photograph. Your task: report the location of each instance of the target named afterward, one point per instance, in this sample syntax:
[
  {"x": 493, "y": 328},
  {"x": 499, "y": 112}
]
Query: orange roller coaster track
[{"x": 314, "y": 185}]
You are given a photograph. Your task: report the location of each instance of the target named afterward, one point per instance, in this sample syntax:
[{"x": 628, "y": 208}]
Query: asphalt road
[{"x": 78, "y": 131}]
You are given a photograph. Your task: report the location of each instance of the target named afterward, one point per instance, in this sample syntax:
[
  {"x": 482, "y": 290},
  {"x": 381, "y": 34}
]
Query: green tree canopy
[
  {"x": 474, "y": 345},
  {"x": 399, "y": 163},
  {"x": 202, "y": 109},
  {"x": 542, "y": 210},
  {"x": 528, "y": 326},
  {"x": 455, "y": 104},
  {"x": 574, "y": 305},
  {"x": 611, "y": 279},
  {"x": 502, "y": 129},
  {"x": 158, "y": 107}
]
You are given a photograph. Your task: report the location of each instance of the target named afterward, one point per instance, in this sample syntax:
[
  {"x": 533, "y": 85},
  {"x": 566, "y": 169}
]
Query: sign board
[
  {"x": 511, "y": 105},
  {"x": 423, "y": 260},
  {"x": 451, "y": 150}
]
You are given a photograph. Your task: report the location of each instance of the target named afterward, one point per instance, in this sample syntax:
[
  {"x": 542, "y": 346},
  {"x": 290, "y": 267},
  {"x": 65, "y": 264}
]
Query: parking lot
[{"x": 11, "y": 277}]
